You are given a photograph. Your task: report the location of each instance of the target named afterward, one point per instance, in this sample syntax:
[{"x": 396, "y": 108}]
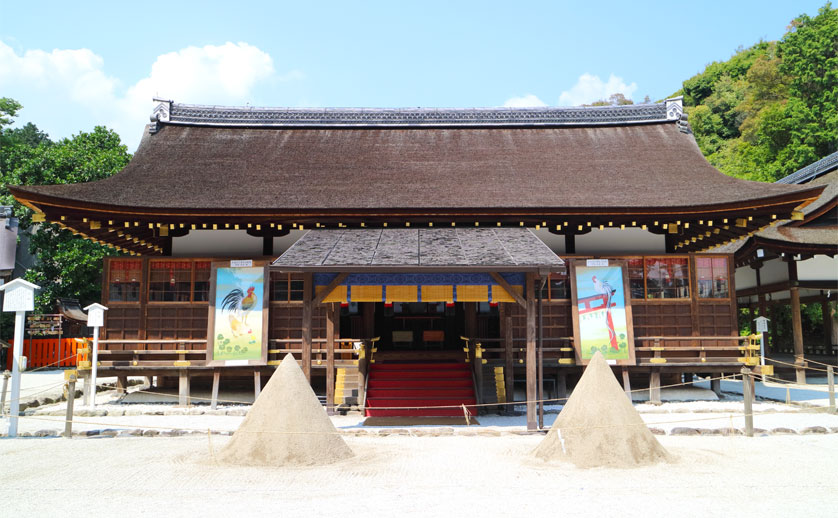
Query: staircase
[{"x": 420, "y": 385}]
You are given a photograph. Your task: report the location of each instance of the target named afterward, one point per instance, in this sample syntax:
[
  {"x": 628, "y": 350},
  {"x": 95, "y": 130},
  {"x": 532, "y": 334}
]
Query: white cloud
[
  {"x": 590, "y": 88},
  {"x": 73, "y": 85},
  {"x": 527, "y": 101}
]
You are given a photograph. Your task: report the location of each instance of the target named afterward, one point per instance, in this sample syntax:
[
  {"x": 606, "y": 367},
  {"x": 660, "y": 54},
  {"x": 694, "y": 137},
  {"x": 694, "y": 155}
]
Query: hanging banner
[
  {"x": 602, "y": 312},
  {"x": 238, "y": 315}
]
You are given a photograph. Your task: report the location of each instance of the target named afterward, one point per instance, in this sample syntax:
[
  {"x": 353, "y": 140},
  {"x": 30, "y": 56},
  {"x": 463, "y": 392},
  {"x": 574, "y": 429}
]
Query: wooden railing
[
  {"x": 180, "y": 353},
  {"x": 667, "y": 350}
]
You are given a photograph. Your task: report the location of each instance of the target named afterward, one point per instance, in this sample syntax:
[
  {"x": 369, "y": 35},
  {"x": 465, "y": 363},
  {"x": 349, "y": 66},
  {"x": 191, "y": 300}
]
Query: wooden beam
[
  {"x": 331, "y": 317},
  {"x": 306, "y": 331},
  {"x": 318, "y": 299},
  {"x": 530, "y": 366},
  {"x": 505, "y": 285}
]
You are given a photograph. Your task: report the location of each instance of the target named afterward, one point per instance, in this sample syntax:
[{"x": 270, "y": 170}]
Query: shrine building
[{"x": 419, "y": 260}]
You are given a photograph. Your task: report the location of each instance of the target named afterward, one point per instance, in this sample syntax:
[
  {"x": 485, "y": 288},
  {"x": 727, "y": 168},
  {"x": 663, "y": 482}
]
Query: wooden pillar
[
  {"x": 216, "y": 380},
  {"x": 561, "y": 386},
  {"x": 796, "y": 322},
  {"x": 306, "y": 335},
  {"x": 797, "y": 329},
  {"x": 540, "y": 370},
  {"x": 655, "y": 387},
  {"x": 121, "y": 383},
  {"x": 257, "y": 384},
  {"x": 716, "y": 385},
  {"x": 570, "y": 243},
  {"x": 694, "y": 307},
  {"x": 267, "y": 244},
  {"x": 331, "y": 317},
  {"x": 626, "y": 383},
  {"x": 368, "y": 315},
  {"x": 530, "y": 366},
  {"x": 509, "y": 363},
  {"x": 183, "y": 388},
  {"x": 470, "y": 316}
]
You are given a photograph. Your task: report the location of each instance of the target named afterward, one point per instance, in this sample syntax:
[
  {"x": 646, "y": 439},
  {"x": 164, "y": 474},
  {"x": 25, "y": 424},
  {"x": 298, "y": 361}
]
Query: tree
[
  {"x": 771, "y": 108},
  {"x": 617, "y": 99},
  {"x": 66, "y": 265}
]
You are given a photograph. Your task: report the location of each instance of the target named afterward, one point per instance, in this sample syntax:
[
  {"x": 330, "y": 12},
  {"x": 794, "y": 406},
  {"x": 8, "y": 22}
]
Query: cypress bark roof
[
  {"x": 200, "y": 166},
  {"x": 278, "y": 168},
  {"x": 422, "y": 248}
]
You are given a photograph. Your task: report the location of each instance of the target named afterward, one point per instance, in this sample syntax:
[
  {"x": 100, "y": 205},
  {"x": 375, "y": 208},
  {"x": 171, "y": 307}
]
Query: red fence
[{"x": 45, "y": 351}]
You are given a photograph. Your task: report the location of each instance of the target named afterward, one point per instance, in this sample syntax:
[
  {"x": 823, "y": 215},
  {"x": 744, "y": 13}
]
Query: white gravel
[{"x": 417, "y": 476}]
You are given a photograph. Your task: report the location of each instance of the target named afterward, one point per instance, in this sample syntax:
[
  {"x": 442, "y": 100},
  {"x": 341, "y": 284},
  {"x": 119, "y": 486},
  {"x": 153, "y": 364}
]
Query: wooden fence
[{"x": 48, "y": 351}]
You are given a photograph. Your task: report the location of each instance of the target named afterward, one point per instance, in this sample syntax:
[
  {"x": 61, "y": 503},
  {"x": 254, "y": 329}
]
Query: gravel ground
[{"x": 401, "y": 475}]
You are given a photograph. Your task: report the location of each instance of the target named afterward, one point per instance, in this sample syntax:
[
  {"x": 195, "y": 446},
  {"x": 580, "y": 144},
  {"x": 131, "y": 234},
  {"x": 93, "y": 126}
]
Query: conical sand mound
[
  {"x": 599, "y": 426},
  {"x": 286, "y": 426}
]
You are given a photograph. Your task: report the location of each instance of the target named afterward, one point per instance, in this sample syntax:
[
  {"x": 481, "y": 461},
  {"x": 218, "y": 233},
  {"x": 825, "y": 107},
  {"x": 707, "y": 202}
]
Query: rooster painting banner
[
  {"x": 238, "y": 317},
  {"x": 601, "y": 311}
]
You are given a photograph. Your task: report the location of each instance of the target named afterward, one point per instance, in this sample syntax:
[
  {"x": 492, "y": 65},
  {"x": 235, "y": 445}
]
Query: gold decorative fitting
[
  {"x": 673, "y": 229},
  {"x": 797, "y": 215},
  {"x": 741, "y": 222},
  {"x": 39, "y": 217}
]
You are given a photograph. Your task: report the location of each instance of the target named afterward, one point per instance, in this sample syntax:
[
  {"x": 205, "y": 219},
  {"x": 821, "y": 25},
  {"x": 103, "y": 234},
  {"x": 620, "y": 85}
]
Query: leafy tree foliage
[
  {"x": 66, "y": 265},
  {"x": 771, "y": 108}
]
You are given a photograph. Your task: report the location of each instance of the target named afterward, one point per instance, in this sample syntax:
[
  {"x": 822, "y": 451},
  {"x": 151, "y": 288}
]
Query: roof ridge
[
  {"x": 169, "y": 112},
  {"x": 812, "y": 170}
]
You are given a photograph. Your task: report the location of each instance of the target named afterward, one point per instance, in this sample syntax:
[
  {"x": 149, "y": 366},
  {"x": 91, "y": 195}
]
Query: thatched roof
[
  {"x": 492, "y": 166},
  {"x": 199, "y": 164}
]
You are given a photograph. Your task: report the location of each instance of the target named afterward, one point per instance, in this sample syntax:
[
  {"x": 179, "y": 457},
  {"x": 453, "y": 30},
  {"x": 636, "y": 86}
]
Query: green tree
[
  {"x": 771, "y": 108},
  {"x": 66, "y": 265}
]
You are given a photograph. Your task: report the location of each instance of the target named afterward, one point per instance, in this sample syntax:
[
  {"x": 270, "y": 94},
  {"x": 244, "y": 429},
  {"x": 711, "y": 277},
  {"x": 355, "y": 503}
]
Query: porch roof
[{"x": 473, "y": 249}]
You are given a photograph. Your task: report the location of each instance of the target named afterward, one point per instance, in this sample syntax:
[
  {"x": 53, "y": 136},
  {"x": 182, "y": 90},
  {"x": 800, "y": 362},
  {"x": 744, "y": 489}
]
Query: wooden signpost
[
  {"x": 20, "y": 298},
  {"x": 95, "y": 319}
]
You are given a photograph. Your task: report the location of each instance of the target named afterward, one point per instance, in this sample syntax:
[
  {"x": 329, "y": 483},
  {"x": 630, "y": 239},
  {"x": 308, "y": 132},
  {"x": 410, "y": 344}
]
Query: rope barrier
[
  {"x": 821, "y": 363},
  {"x": 112, "y": 426},
  {"x": 796, "y": 366},
  {"x": 441, "y": 407},
  {"x": 19, "y": 399}
]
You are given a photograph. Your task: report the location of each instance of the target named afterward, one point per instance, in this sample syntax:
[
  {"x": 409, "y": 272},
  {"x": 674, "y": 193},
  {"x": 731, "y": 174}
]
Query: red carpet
[{"x": 412, "y": 386}]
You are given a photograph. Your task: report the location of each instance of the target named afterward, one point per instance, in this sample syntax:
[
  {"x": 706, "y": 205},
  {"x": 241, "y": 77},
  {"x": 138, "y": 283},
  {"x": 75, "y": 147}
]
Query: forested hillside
[{"x": 771, "y": 108}]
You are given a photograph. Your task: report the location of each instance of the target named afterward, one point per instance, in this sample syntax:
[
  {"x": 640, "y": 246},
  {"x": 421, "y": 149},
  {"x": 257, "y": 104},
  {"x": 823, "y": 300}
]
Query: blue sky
[{"x": 74, "y": 65}]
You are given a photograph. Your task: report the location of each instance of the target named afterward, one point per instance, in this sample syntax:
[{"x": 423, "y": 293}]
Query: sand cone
[
  {"x": 599, "y": 426},
  {"x": 286, "y": 426}
]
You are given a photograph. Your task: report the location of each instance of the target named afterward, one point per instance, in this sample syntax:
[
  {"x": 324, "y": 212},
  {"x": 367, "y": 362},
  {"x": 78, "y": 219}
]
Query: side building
[
  {"x": 794, "y": 262},
  {"x": 383, "y": 245}
]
